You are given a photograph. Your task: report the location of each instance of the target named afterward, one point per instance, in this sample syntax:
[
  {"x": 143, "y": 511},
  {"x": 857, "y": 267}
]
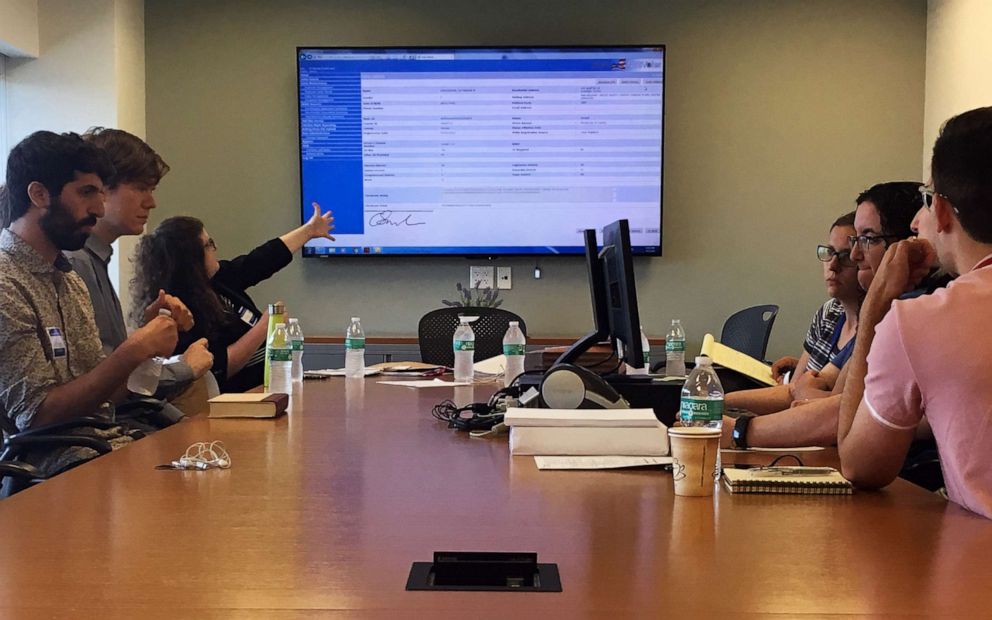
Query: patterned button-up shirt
[{"x": 48, "y": 335}]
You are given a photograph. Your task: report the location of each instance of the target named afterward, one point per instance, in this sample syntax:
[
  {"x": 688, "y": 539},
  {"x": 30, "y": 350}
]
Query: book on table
[{"x": 250, "y": 405}]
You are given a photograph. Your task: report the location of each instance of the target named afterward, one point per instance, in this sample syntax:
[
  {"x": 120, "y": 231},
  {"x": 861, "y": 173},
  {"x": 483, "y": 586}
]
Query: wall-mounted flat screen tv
[{"x": 481, "y": 151}]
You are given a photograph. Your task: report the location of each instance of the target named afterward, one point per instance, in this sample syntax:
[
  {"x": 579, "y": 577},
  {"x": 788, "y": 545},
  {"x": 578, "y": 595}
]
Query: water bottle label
[
  {"x": 280, "y": 355},
  {"x": 297, "y": 345},
  {"x": 675, "y": 346},
  {"x": 353, "y": 343},
  {"x": 701, "y": 409},
  {"x": 514, "y": 349},
  {"x": 464, "y": 345}
]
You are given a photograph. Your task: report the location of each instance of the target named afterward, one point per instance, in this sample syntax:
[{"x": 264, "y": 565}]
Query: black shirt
[{"x": 240, "y": 312}]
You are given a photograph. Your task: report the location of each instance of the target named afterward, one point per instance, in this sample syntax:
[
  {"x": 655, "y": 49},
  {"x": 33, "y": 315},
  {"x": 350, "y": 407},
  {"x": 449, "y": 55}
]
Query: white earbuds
[{"x": 203, "y": 455}]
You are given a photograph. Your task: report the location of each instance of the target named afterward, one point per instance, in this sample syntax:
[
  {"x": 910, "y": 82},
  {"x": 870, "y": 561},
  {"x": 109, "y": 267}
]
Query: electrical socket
[
  {"x": 503, "y": 278},
  {"x": 480, "y": 277}
]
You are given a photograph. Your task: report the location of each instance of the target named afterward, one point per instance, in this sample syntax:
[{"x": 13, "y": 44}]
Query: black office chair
[
  {"x": 438, "y": 326},
  {"x": 17, "y": 475},
  {"x": 138, "y": 417},
  {"x": 748, "y": 330}
]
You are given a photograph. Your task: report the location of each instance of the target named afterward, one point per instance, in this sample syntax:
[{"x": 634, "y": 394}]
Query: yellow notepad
[
  {"x": 794, "y": 480},
  {"x": 735, "y": 360}
]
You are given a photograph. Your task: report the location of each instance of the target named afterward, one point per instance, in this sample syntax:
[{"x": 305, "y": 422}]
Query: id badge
[
  {"x": 248, "y": 317},
  {"x": 57, "y": 341}
]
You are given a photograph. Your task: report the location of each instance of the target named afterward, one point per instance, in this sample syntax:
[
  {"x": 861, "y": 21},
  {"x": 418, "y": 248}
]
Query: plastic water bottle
[
  {"x": 295, "y": 334},
  {"x": 675, "y": 350},
  {"x": 354, "y": 349},
  {"x": 646, "y": 350},
  {"x": 144, "y": 379},
  {"x": 514, "y": 348},
  {"x": 463, "y": 344},
  {"x": 702, "y": 397},
  {"x": 280, "y": 361}
]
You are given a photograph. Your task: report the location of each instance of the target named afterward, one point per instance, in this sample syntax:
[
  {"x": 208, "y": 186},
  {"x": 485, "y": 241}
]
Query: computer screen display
[{"x": 481, "y": 151}]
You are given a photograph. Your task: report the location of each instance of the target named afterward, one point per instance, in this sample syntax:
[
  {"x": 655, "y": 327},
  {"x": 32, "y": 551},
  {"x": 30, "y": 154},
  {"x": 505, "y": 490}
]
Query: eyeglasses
[
  {"x": 825, "y": 254},
  {"x": 866, "y": 241},
  {"x": 928, "y": 193},
  {"x": 210, "y": 244}
]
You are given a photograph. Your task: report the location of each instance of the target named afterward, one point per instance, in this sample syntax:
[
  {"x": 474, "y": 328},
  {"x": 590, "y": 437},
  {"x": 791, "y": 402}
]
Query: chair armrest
[
  {"x": 57, "y": 427},
  {"x": 20, "y": 470},
  {"x": 22, "y": 441}
]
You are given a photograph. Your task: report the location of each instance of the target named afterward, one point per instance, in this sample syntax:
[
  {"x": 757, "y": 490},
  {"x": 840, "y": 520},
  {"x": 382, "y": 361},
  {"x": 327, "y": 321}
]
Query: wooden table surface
[{"x": 325, "y": 509}]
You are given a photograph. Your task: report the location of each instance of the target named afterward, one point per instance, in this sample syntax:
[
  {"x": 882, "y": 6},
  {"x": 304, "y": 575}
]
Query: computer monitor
[
  {"x": 621, "y": 294},
  {"x": 613, "y": 295}
]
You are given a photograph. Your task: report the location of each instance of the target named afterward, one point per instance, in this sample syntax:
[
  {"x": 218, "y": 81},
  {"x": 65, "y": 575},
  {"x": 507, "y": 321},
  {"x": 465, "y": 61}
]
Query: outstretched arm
[{"x": 319, "y": 226}]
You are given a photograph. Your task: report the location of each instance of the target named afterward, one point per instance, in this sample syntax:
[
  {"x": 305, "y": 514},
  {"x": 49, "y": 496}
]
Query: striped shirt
[{"x": 821, "y": 341}]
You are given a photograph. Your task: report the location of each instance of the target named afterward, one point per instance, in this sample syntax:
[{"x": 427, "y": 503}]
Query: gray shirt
[{"x": 91, "y": 264}]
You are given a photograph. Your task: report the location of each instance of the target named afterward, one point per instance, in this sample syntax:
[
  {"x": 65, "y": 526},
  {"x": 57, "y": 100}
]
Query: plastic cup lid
[{"x": 700, "y": 432}]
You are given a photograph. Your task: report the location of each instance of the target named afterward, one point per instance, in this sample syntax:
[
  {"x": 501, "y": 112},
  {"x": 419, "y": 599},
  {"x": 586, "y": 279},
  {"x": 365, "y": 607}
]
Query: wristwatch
[{"x": 739, "y": 436}]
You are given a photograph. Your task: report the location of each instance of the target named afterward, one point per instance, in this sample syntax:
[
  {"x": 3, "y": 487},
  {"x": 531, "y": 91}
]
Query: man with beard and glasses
[{"x": 52, "y": 367}]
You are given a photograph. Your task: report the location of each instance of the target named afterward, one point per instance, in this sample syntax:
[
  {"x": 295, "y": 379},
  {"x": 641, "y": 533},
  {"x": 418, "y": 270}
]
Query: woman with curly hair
[{"x": 180, "y": 257}]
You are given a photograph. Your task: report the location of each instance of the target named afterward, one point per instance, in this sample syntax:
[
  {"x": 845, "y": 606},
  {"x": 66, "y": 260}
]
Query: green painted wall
[{"x": 778, "y": 114}]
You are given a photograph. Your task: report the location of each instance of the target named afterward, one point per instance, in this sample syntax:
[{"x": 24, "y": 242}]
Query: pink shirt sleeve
[{"x": 891, "y": 391}]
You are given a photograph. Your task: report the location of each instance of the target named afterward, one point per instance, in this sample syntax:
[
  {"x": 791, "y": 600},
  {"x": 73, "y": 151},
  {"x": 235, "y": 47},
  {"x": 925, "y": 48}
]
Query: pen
[{"x": 793, "y": 471}]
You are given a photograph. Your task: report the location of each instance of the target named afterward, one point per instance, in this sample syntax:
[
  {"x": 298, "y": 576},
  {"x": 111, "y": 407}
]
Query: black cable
[{"x": 783, "y": 456}]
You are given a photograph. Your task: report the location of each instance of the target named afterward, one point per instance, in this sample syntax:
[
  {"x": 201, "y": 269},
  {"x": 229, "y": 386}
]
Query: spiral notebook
[{"x": 793, "y": 480}]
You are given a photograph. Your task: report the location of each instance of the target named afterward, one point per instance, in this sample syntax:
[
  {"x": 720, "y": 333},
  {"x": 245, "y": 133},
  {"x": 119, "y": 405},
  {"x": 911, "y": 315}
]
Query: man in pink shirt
[{"x": 930, "y": 355}]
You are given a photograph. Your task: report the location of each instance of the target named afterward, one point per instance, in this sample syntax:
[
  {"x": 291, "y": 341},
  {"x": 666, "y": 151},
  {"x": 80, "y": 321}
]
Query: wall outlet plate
[
  {"x": 480, "y": 277},
  {"x": 503, "y": 278}
]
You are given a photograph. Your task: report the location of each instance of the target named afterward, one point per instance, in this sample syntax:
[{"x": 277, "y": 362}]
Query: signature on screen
[{"x": 395, "y": 218}]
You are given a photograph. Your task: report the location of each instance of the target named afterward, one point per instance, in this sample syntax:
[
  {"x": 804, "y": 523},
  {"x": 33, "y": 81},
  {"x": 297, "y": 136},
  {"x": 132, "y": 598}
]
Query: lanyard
[{"x": 837, "y": 330}]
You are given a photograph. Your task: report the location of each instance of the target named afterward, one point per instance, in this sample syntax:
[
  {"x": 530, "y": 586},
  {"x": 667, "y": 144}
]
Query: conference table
[{"x": 324, "y": 510}]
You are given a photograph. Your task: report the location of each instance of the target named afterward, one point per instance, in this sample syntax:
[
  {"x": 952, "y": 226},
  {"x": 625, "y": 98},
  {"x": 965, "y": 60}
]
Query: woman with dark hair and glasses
[
  {"x": 179, "y": 256},
  {"x": 833, "y": 326}
]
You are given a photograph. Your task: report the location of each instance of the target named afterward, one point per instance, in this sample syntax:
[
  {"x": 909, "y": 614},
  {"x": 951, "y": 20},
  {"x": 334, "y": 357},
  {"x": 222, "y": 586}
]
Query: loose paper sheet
[
  {"x": 599, "y": 462},
  {"x": 427, "y": 383}
]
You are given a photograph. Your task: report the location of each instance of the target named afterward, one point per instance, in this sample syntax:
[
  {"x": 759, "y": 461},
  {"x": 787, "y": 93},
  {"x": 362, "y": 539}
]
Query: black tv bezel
[{"x": 425, "y": 48}]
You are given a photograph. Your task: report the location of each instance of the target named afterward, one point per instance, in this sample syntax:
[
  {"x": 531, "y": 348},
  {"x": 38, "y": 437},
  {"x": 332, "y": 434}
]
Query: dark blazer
[{"x": 240, "y": 312}]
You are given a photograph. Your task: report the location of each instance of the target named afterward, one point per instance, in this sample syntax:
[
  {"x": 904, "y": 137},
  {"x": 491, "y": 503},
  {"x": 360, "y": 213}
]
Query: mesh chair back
[
  {"x": 748, "y": 331},
  {"x": 437, "y": 328}
]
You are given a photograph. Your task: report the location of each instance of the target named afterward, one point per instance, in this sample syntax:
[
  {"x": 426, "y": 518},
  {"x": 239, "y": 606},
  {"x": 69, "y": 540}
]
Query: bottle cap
[
  {"x": 291, "y": 321},
  {"x": 514, "y": 323},
  {"x": 277, "y": 308},
  {"x": 282, "y": 325},
  {"x": 703, "y": 360},
  {"x": 165, "y": 312},
  {"x": 355, "y": 319}
]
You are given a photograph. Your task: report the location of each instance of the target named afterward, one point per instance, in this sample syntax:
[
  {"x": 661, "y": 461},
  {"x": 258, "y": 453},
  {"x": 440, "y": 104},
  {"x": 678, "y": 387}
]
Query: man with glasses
[
  {"x": 832, "y": 327},
  {"x": 885, "y": 214},
  {"x": 929, "y": 355}
]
